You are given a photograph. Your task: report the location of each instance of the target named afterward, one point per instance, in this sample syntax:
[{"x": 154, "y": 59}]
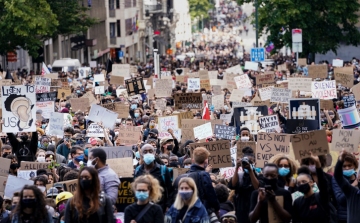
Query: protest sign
[
  {"x": 122, "y": 70},
  {"x": 19, "y": 112},
  {"x": 94, "y": 130},
  {"x": 326, "y": 104},
  {"x": 176, "y": 132},
  {"x": 4, "y": 166},
  {"x": 240, "y": 145},
  {"x": 318, "y": 71},
  {"x": 337, "y": 63},
  {"x": 270, "y": 144},
  {"x": 184, "y": 115},
  {"x": 92, "y": 99},
  {"x": 203, "y": 131},
  {"x": 50, "y": 96},
  {"x": 314, "y": 141},
  {"x": 123, "y": 167},
  {"x": 219, "y": 152},
  {"x": 188, "y": 100},
  {"x": 70, "y": 185},
  {"x": 241, "y": 104},
  {"x": 15, "y": 184},
  {"x": 193, "y": 84},
  {"x": 129, "y": 135},
  {"x": 217, "y": 101},
  {"x": 248, "y": 117},
  {"x": 270, "y": 123},
  {"x": 24, "y": 165},
  {"x": 179, "y": 171},
  {"x": 2, "y": 184},
  {"x": 100, "y": 114},
  {"x": 125, "y": 194},
  {"x": 216, "y": 89},
  {"x": 84, "y": 72},
  {"x": 356, "y": 91},
  {"x": 344, "y": 76},
  {"x": 160, "y": 104},
  {"x": 52, "y": 75},
  {"x": 188, "y": 125},
  {"x": 205, "y": 84},
  {"x": 237, "y": 95},
  {"x": 163, "y": 88},
  {"x": 114, "y": 152},
  {"x": 302, "y": 62},
  {"x": 168, "y": 122},
  {"x": 242, "y": 81},
  {"x": 63, "y": 93},
  {"x": 281, "y": 95},
  {"x": 265, "y": 93},
  {"x": 235, "y": 69},
  {"x": 56, "y": 124},
  {"x": 165, "y": 74},
  {"x": 265, "y": 79},
  {"x": 225, "y": 132},
  {"x": 347, "y": 139},
  {"x": 203, "y": 74},
  {"x": 79, "y": 104},
  {"x": 207, "y": 99},
  {"x": 251, "y": 66},
  {"x": 42, "y": 84},
  {"x": 47, "y": 107},
  {"x": 226, "y": 118},
  {"x": 229, "y": 172},
  {"x": 299, "y": 84},
  {"x": 348, "y": 100},
  {"x": 26, "y": 174},
  {"x": 323, "y": 89},
  {"x": 122, "y": 110}
]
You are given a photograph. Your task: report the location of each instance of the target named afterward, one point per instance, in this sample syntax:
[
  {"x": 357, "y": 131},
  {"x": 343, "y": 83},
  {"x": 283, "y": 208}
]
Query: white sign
[
  {"x": 242, "y": 81},
  {"x": 203, "y": 131},
  {"x": 177, "y": 133},
  {"x": 229, "y": 172},
  {"x": 337, "y": 63},
  {"x": 42, "y": 84},
  {"x": 235, "y": 70},
  {"x": 281, "y": 95},
  {"x": 18, "y": 108},
  {"x": 100, "y": 114},
  {"x": 47, "y": 107},
  {"x": 99, "y": 89},
  {"x": 15, "y": 184},
  {"x": 265, "y": 93},
  {"x": 95, "y": 130},
  {"x": 122, "y": 70},
  {"x": 297, "y": 35},
  {"x": 299, "y": 84},
  {"x": 168, "y": 122},
  {"x": 26, "y": 174},
  {"x": 84, "y": 71},
  {"x": 56, "y": 124},
  {"x": 193, "y": 83},
  {"x": 270, "y": 123},
  {"x": 323, "y": 89},
  {"x": 99, "y": 78},
  {"x": 165, "y": 73},
  {"x": 251, "y": 65}
]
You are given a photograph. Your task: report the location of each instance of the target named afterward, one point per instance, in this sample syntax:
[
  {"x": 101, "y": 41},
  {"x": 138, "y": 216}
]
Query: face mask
[
  {"x": 312, "y": 168},
  {"x": 149, "y": 158},
  {"x": 348, "y": 173},
  {"x": 28, "y": 203},
  {"x": 258, "y": 170},
  {"x": 78, "y": 91},
  {"x": 304, "y": 188},
  {"x": 187, "y": 166},
  {"x": 137, "y": 155},
  {"x": 24, "y": 137},
  {"x": 85, "y": 184},
  {"x": 45, "y": 144},
  {"x": 41, "y": 159},
  {"x": 152, "y": 125},
  {"x": 136, "y": 115},
  {"x": 13, "y": 207},
  {"x": 271, "y": 182},
  {"x": 226, "y": 107},
  {"x": 43, "y": 126},
  {"x": 5, "y": 155},
  {"x": 79, "y": 158},
  {"x": 133, "y": 106},
  {"x": 186, "y": 195},
  {"x": 284, "y": 171},
  {"x": 141, "y": 195},
  {"x": 244, "y": 138},
  {"x": 90, "y": 163},
  {"x": 169, "y": 147},
  {"x": 61, "y": 207},
  {"x": 8, "y": 207}
]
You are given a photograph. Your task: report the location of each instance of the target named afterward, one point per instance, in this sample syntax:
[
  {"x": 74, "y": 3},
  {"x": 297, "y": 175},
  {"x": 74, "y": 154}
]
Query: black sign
[
  {"x": 301, "y": 126},
  {"x": 349, "y": 101},
  {"x": 50, "y": 96},
  {"x": 224, "y": 131},
  {"x": 304, "y": 115},
  {"x": 246, "y": 116},
  {"x": 125, "y": 194}
]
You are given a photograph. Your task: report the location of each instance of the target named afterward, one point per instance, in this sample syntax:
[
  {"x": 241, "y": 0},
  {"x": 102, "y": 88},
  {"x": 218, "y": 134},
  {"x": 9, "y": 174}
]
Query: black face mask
[
  {"x": 28, "y": 203},
  {"x": 271, "y": 182},
  {"x": 24, "y": 138},
  {"x": 5, "y": 155},
  {"x": 148, "y": 113},
  {"x": 169, "y": 147},
  {"x": 304, "y": 188},
  {"x": 85, "y": 184}
]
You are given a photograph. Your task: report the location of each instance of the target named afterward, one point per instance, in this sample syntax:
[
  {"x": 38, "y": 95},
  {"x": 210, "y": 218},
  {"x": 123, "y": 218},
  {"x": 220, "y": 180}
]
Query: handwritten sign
[
  {"x": 114, "y": 152},
  {"x": 314, "y": 141},
  {"x": 168, "y": 122},
  {"x": 15, "y": 184},
  {"x": 323, "y": 89},
  {"x": 63, "y": 93},
  {"x": 47, "y": 107},
  {"x": 270, "y": 144},
  {"x": 203, "y": 74},
  {"x": 318, "y": 71},
  {"x": 163, "y": 88},
  {"x": 129, "y": 135},
  {"x": 203, "y": 131},
  {"x": 81, "y": 104},
  {"x": 193, "y": 84},
  {"x": 100, "y": 114},
  {"x": 326, "y": 104},
  {"x": 122, "y": 70},
  {"x": 123, "y": 167},
  {"x": 125, "y": 194},
  {"x": 237, "y": 95},
  {"x": 218, "y": 101},
  {"x": 349, "y": 100},
  {"x": 270, "y": 123},
  {"x": 281, "y": 95},
  {"x": 344, "y": 76},
  {"x": 219, "y": 152},
  {"x": 42, "y": 84},
  {"x": 242, "y": 81},
  {"x": 205, "y": 84},
  {"x": 265, "y": 93},
  {"x": 24, "y": 165},
  {"x": 94, "y": 130},
  {"x": 216, "y": 89},
  {"x": 188, "y": 100},
  {"x": 160, "y": 104},
  {"x": 265, "y": 79},
  {"x": 56, "y": 124},
  {"x": 225, "y": 132},
  {"x": 348, "y": 139},
  {"x": 50, "y": 96},
  {"x": 188, "y": 125},
  {"x": 241, "y": 145},
  {"x": 299, "y": 84},
  {"x": 70, "y": 185},
  {"x": 4, "y": 166},
  {"x": 26, "y": 174}
]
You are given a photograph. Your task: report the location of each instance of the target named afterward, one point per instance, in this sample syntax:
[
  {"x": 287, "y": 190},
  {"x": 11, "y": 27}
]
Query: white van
[{"x": 65, "y": 65}]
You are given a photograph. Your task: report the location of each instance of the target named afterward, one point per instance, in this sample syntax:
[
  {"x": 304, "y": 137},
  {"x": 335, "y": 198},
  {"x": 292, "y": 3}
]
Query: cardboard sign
[
  {"x": 63, "y": 93},
  {"x": 122, "y": 70},
  {"x": 265, "y": 79},
  {"x": 302, "y": 62},
  {"x": 270, "y": 144},
  {"x": 318, "y": 71},
  {"x": 205, "y": 84},
  {"x": 94, "y": 130},
  {"x": 216, "y": 89},
  {"x": 348, "y": 101},
  {"x": 272, "y": 214},
  {"x": 323, "y": 89},
  {"x": 299, "y": 84},
  {"x": 225, "y": 132},
  {"x": 241, "y": 145},
  {"x": 79, "y": 104},
  {"x": 4, "y": 166},
  {"x": 163, "y": 88},
  {"x": 18, "y": 108},
  {"x": 184, "y": 115},
  {"x": 129, "y": 135},
  {"x": 203, "y": 74},
  {"x": 280, "y": 95},
  {"x": 217, "y": 101},
  {"x": 100, "y": 114},
  {"x": 348, "y": 139},
  {"x": 56, "y": 124},
  {"x": 160, "y": 104},
  {"x": 24, "y": 165},
  {"x": 114, "y": 152},
  {"x": 50, "y": 96},
  {"x": 123, "y": 167},
  {"x": 356, "y": 90},
  {"x": 242, "y": 81},
  {"x": 125, "y": 194},
  {"x": 237, "y": 95},
  {"x": 187, "y": 126},
  {"x": 265, "y": 93},
  {"x": 219, "y": 152},
  {"x": 193, "y": 84},
  {"x": 122, "y": 110},
  {"x": 179, "y": 171},
  {"x": 203, "y": 131},
  {"x": 168, "y": 122},
  {"x": 326, "y": 104},
  {"x": 270, "y": 123},
  {"x": 344, "y": 76},
  {"x": 314, "y": 141},
  {"x": 188, "y": 100},
  {"x": 15, "y": 184},
  {"x": 52, "y": 75},
  {"x": 92, "y": 99}
]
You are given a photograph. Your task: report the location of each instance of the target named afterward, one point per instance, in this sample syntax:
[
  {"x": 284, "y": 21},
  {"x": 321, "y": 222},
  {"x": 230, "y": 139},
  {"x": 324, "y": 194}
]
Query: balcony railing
[
  {"x": 112, "y": 13},
  {"x": 113, "y": 40}
]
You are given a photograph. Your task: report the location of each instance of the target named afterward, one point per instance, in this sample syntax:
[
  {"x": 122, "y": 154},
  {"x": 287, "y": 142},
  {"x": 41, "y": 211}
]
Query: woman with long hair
[
  {"x": 147, "y": 192},
  {"x": 287, "y": 168},
  {"x": 89, "y": 204},
  {"x": 187, "y": 207},
  {"x": 32, "y": 207}
]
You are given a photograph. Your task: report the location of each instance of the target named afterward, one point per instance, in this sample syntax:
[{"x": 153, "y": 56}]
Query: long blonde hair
[
  {"x": 155, "y": 190},
  {"x": 179, "y": 203}
]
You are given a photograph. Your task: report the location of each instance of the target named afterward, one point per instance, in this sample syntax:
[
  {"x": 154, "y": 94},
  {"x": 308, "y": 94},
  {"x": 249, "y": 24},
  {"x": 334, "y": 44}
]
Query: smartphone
[{"x": 268, "y": 187}]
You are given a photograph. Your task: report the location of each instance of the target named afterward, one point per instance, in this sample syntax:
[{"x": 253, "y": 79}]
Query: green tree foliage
[
  {"x": 325, "y": 23},
  {"x": 199, "y": 7},
  {"x": 23, "y": 23}
]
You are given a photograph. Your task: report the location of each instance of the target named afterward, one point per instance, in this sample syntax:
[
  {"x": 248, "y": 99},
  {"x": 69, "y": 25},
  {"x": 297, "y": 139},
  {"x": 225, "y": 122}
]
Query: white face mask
[
  {"x": 244, "y": 138},
  {"x": 89, "y": 163},
  {"x": 41, "y": 159}
]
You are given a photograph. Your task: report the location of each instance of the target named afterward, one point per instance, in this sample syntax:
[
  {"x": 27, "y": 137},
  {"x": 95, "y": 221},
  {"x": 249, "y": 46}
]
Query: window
[
  {"x": 112, "y": 29},
  {"x": 127, "y": 3},
  {"x": 134, "y": 3},
  {"x": 111, "y": 4},
  {"x": 128, "y": 27},
  {"x": 117, "y": 4},
  {"x": 118, "y": 28}
]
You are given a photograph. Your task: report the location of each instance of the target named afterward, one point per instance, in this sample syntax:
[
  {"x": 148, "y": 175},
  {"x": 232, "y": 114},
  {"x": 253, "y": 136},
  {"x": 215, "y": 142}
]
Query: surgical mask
[
  {"x": 257, "y": 169},
  {"x": 284, "y": 171},
  {"x": 136, "y": 115},
  {"x": 226, "y": 107},
  {"x": 304, "y": 188},
  {"x": 186, "y": 195},
  {"x": 79, "y": 158},
  {"x": 137, "y": 155},
  {"x": 43, "y": 126},
  {"x": 245, "y": 138},
  {"x": 90, "y": 163},
  {"x": 312, "y": 168},
  {"x": 41, "y": 159},
  {"x": 142, "y": 195},
  {"x": 149, "y": 158},
  {"x": 187, "y": 166},
  {"x": 348, "y": 173},
  {"x": 133, "y": 106},
  {"x": 78, "y": 91}
]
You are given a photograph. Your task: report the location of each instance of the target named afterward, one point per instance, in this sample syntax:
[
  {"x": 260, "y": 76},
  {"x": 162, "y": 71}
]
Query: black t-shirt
[
  {"x": 309, "y": 210},
  {"x": 153, "y": 215},
  {"x": 264, "y": 218},
  {"x": 182, "y": 213}
]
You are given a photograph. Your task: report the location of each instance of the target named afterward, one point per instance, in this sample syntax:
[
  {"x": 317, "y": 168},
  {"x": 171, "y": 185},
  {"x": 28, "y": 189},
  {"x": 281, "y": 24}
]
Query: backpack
[{"x": 162, "y": 168}]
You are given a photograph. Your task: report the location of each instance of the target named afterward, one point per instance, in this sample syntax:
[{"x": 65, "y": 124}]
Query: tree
[
  {"x": 199, "y": 8},
  {"x": 23, "y": 23},
  {"x": 325, "y": 24}
]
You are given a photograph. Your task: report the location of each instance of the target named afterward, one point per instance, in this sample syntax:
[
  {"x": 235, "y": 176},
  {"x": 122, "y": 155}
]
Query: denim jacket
[
  {"x": 196, "y": 214},
  {"x": 16, "y": 219}
]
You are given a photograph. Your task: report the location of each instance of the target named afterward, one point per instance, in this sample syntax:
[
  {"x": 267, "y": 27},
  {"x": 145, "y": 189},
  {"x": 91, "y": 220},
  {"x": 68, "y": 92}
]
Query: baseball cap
[
  {"x": 53, "y": 191},
  {"x": 154, "y": 131},
  {"x": 165, "y": 140}
]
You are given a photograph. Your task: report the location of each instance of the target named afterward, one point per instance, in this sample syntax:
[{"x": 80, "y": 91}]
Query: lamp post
[{"x": 256, "y": 24}]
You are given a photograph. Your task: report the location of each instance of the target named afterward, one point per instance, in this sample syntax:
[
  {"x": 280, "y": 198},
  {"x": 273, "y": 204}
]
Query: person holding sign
[{"x": 25, "y": 149}]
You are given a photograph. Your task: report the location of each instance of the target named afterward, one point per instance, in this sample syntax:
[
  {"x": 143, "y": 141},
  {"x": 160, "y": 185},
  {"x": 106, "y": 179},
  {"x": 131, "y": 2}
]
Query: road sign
[
  {"x": 297, "y": 47},
  {"x": 257, "y": 54},
  {"x": 120, "y": 54},
  {"x": 297, "y": 35}
]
